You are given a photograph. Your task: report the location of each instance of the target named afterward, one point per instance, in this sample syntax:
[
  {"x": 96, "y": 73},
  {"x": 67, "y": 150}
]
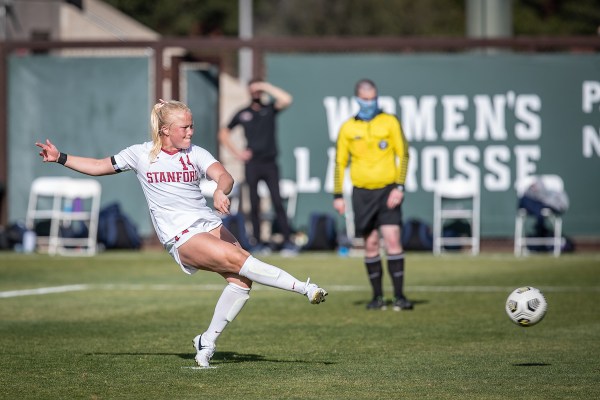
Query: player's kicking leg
[
  {"x": 235, "y": 295},
  {"x": 219, "y": 252},
  {"x": 270, "y": 275}
]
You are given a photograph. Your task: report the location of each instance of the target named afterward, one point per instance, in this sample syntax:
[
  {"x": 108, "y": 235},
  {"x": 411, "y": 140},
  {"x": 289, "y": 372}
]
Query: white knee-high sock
[
  {"x": 270, "y": 275},
  {"x": 228, "y": 307}
]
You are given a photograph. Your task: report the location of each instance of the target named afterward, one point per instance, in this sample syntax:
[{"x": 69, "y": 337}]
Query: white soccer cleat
[
  {"x": 314, "y": 293},
  {"x": 203, "y": 352}
]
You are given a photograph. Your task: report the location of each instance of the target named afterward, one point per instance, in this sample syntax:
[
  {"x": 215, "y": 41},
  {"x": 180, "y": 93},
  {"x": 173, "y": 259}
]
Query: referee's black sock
[
  {"x": 396, "y": 270},
  {"x": 375, "y": 272}
]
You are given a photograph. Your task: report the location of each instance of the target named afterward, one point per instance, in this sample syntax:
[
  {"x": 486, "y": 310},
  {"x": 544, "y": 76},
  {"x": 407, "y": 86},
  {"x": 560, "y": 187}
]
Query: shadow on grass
[
  {"x": 389, "y": 303},
  {"x": 220, "y": 356},
  {"x": 233, "y": 357},
  {"x": 530, "y": 364}
]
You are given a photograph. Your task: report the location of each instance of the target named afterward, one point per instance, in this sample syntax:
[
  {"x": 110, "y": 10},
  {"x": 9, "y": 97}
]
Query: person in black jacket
[{"x": 260, "y": 155}]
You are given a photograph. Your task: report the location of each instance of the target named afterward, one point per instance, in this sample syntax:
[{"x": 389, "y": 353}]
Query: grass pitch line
[
  {"x": 156, "y": 287},
  {"x": 331, "y": 288},
  {"x": 41, "y": 291}
]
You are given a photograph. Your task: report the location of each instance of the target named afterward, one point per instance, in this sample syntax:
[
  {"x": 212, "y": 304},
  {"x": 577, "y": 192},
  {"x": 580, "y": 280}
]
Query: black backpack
[
  {"x": 455, "y": 229},
  {"x": 416, "y": 235},
  {"x": 116, "y": 230},
  {"x": 322, "y": 232}
]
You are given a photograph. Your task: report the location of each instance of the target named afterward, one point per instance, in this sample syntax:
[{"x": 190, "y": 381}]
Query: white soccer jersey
[{"x": 171, "y": 186}]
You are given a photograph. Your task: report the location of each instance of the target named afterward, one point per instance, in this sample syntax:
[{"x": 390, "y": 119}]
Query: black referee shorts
[{"x": 371, "y": 211}]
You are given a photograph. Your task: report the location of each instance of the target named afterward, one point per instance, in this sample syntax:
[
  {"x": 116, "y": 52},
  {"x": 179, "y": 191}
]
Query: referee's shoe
[
  {"x": 402, "y": 303},
  {"x": 377, "y": 304}
]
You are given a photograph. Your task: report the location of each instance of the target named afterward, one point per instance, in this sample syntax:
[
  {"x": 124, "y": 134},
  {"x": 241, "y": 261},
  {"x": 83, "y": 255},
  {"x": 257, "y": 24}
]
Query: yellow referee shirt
[{"x": 376, "y": 150}]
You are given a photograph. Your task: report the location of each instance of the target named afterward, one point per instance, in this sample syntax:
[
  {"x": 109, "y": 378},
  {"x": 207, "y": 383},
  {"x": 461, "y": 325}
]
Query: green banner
[
  {"x": 93, "y": 107},
  {"x": 493, "y": 119}
]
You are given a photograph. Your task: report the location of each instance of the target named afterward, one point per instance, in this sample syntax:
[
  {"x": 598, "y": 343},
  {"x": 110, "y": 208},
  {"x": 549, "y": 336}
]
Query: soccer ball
[{"x": 526, "y": 306}]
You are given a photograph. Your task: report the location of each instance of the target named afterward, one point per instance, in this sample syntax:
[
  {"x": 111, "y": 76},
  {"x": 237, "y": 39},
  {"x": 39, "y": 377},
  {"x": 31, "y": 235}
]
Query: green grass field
[{"x": 120, "y": 325}]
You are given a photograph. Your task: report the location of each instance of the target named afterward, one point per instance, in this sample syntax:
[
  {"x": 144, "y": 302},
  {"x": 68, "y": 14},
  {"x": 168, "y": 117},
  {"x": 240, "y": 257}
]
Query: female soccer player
[{"x": 169, "y": 169}]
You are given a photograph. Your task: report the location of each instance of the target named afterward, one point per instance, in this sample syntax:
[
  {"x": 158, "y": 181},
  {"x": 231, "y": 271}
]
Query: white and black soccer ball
[{"x": 526, "y": 306}]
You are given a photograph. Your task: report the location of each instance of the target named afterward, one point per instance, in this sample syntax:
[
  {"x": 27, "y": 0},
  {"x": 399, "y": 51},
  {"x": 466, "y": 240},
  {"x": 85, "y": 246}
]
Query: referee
[{"x": 373, "y": 143}]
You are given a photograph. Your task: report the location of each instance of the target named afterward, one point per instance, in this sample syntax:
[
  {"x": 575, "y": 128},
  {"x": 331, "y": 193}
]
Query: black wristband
[
  {"x": 114, "y": 164},
  {"x": 62, "y": 158}
]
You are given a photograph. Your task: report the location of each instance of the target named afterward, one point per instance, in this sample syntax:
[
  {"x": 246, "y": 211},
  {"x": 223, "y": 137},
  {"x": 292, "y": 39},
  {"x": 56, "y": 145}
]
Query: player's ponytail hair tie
[{"x": 160, "y": 104}]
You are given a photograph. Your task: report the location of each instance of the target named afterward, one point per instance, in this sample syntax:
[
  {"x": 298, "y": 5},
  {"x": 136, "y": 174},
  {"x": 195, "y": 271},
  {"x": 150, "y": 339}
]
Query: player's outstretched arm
[{"x": 85, "y": 165}]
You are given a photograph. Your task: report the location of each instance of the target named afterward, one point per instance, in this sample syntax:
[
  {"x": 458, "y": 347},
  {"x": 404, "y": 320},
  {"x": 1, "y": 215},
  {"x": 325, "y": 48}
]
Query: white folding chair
[
  {"x": 456, "y": 199},
  {"x": 44, "y": 199},
  {"x": 51, "y": 199},
  {"x": 45, "y": 206},
  {"x": 550, "y": 182},
  {"x": 85, "y": 193}
]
